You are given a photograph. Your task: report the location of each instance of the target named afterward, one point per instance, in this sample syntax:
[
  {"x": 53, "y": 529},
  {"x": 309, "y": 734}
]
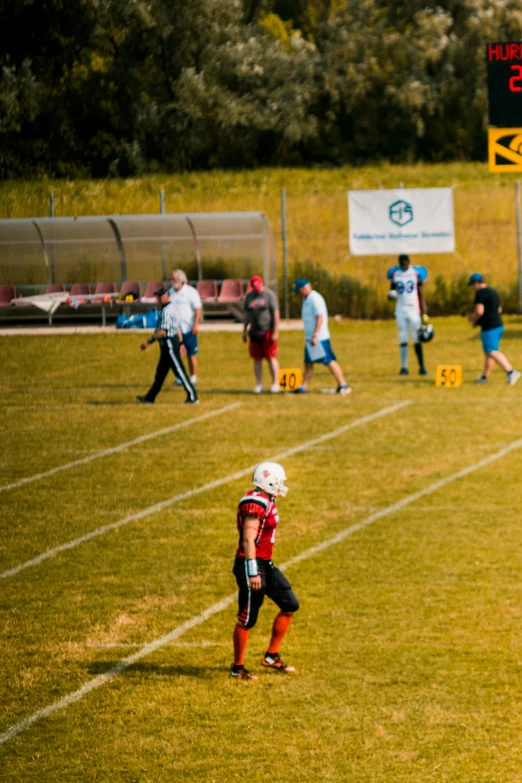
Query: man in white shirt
[
  {"x": 317, "y": 337},
  {"x": 187, "y": 303},
  {"x": 407, "y": 290}
]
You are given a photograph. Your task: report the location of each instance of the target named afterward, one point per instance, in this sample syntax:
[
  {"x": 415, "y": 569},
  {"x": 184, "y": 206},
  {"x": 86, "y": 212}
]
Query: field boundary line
[
  {"x": 290, "y": 325},
  {"x": 116, "y": 449},
  {"x": 100, "y": 531},
  {"x": 203, "y": 616}
]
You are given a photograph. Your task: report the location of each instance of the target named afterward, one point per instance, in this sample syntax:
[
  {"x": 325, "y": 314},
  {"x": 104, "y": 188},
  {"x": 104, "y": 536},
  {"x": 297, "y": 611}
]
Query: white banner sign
[{"x": 389, "y": 222}]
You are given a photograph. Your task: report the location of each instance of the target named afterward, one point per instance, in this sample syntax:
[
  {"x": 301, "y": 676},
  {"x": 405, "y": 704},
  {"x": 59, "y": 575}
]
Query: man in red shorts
[
  {"x": 261, "y": 325},
  {"x": 256, "y": 575}
]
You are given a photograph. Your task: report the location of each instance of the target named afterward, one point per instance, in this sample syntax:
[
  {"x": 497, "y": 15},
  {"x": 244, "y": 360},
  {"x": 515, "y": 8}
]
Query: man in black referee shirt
[{"x": 168, "y": 334}]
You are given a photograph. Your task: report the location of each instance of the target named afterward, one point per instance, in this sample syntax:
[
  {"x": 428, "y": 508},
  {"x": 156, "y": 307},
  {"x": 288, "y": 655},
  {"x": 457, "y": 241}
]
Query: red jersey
[{"x": 255, "y": 504}]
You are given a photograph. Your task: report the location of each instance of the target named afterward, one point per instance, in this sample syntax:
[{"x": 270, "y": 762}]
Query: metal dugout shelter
[{"x": 35, "y": 252}]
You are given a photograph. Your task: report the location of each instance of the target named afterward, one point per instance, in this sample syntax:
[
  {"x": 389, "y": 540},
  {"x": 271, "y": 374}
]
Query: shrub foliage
[{"x": 349, "y": 297}]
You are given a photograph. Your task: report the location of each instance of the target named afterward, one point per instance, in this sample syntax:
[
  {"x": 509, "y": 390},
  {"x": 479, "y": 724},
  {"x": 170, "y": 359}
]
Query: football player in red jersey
[{"x": 256, "y": 575}]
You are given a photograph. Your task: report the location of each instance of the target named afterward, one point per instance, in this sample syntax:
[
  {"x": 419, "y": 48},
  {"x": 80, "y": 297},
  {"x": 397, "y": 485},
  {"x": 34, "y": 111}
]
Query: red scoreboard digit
[{"x": 505, "y": 84}]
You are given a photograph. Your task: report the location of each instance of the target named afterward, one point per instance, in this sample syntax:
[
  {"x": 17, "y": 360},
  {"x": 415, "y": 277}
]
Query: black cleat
[
  {"x": 423, "y": 371},
  {"x": 403, "y": 371},
  {"x": 273, "y": 661},
  {"x": 240, "y": 673},
  {"x": 144, "y": 400}
]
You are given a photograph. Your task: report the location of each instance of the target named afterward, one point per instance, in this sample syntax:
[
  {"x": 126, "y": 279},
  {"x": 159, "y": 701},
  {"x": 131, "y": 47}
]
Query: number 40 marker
[{"x": 290, "y": 380}]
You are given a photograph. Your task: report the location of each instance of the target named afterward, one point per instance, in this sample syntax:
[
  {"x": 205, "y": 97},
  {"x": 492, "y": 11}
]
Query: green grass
[
  {"x": 408, "y": 639},
  {"x": 316, "y": 209}
]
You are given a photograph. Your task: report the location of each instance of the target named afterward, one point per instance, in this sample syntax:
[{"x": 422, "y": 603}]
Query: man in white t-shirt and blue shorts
[
  {"x": 317, "y": 337},
  {"x": 187, "y": 303}
]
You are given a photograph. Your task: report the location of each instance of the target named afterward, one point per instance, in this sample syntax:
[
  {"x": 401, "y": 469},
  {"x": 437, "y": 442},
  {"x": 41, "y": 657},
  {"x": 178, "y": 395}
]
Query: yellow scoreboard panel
[{"x": 505, "y": 149}]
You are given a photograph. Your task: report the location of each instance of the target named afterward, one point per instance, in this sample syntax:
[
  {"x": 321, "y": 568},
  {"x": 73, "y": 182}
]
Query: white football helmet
[{"x": 270, "y": 477}]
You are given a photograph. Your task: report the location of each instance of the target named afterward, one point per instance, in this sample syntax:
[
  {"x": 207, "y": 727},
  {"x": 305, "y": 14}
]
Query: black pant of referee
[
  {"x": 170, "y": 359},
  {"x": 169, "y": 337}
]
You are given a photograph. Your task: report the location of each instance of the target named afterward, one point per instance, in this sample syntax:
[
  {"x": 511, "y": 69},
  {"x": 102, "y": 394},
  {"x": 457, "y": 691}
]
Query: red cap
[{"x": 256, "y": 282}]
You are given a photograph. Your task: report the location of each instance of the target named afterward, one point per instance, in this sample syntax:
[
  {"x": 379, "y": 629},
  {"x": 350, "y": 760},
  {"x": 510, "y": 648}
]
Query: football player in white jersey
[{"x": 410, "y": 309}]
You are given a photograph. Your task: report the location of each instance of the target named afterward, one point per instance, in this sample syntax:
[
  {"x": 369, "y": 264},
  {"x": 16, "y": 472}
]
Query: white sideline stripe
[
  {"x": 198, "y": 490},
  {"x": 226, "y": 602},
  {"x": 119, "y": 645},
  {"x": 115, "y": 449}
]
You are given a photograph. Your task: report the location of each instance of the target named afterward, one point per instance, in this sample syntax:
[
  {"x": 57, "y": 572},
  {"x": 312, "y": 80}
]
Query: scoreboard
[
  {"x": 505, "y": 84},
  {"x": 504, "y": 62}
]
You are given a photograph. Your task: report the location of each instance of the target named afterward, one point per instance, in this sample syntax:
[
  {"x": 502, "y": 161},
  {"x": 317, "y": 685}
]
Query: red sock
[
  {"x": 279, "y": 628},
  {"x": 240, "y": 642}
]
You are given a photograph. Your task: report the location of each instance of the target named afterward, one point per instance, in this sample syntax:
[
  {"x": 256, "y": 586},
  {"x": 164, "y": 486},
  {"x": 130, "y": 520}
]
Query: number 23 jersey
[{"x": 255, "y": 504}]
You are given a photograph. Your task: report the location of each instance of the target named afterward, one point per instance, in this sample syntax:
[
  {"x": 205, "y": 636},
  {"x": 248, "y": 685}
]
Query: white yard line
[
  {"x": 116, "y": 449},
  {"x": 404, "y": 502},
  {"x": 203, "y": 488},
  {"x": 473, "y": 400},
  {"x": 203, "y": 616}
]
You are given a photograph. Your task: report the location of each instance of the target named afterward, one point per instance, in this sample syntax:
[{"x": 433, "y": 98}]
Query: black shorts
[{"x": 274, "y": 584}]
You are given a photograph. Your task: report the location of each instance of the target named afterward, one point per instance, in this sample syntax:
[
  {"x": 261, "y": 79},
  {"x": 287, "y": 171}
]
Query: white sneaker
[
  {"x": 513, "y": 377},
  {"x": 275, "y": 388},
  {"x": 257, "y": 389},
  {"x": 344, "y": 390}
]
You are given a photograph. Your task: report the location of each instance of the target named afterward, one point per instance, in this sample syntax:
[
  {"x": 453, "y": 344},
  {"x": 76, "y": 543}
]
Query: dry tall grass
[{"x": 316, "y": 209}]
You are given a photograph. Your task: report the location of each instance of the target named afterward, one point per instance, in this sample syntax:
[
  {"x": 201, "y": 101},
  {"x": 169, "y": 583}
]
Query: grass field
[
  {"x": 409, "y": 637},
  {"x": 316, "y": 210}
]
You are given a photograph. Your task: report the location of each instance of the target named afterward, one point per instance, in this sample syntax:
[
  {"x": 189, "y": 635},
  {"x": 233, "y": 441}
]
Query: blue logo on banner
[{"x": 401, "y": 213}]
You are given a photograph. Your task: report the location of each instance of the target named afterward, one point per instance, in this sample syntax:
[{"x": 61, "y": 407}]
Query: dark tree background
[{"x": 121, "y": 87}]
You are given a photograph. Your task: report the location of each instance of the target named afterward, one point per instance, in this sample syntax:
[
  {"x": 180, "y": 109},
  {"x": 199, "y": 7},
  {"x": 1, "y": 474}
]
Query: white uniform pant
[{"x": 408, "y": 320}]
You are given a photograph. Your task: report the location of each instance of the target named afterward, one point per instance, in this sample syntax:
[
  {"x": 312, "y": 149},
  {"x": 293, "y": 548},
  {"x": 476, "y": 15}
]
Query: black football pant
[
  {"x": 170, "y": 359},
  {"x": 274, "y": 584}
]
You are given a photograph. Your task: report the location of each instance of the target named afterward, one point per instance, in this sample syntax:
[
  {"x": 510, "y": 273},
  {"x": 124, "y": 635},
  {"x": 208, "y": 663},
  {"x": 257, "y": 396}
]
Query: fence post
[
  {"x": 163, "y": 248},
  {"x": 519, "y": 244},
  {"x": 53, "y": 257},
  {"x": 265, "y": 274},
  {"x": 285, "y": 251}
]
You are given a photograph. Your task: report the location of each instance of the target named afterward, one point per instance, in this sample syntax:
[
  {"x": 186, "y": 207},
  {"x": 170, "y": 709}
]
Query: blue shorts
[
  {"x": 190, "y": 341},
  {"x": 491, "y": 339},
  {"x": 328, "y": 357}
]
